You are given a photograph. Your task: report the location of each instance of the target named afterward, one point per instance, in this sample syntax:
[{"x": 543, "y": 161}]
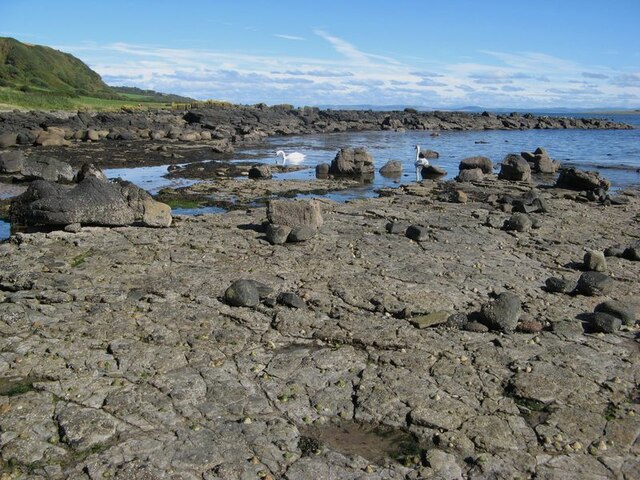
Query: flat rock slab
[{"x": 135, "y": 365}]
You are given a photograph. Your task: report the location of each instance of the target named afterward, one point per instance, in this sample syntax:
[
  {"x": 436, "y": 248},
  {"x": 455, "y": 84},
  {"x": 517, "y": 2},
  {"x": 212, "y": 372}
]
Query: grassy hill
[{"x": 39, "y": 77}]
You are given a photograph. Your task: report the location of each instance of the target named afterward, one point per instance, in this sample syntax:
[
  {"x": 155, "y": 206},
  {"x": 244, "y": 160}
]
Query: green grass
[
  {"x": 80, "y": 259},
  {"x": 47, "y": 100}
]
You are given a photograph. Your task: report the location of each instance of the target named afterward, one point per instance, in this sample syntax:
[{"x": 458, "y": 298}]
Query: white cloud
[
  {"x": 289, "y": 37},
  {"x": 354, "y": 76}
]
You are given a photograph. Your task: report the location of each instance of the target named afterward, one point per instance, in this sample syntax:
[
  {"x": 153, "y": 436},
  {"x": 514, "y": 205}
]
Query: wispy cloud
[
  {"x": 351, "y": 75},
  {"x": 289, "y": 37}
]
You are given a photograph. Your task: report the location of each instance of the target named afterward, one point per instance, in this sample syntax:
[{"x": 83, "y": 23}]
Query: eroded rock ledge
[{"x": 121, "y": 359}]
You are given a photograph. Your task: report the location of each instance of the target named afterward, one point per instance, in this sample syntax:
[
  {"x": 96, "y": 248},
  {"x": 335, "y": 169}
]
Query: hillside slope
[{"x": 38, "y": 67}]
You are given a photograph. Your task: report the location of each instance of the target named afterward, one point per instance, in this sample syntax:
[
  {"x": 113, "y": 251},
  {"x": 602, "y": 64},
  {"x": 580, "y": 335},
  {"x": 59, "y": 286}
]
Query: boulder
[
  {"x": 470, "y": 175},
  {"x": 595, "y": 261},
  {"x": 515, "y": 168},
  {"x": 90, "y": 202},
  {"x": 8, "y": 140},
  {"x": 290, "y": 299},
  {"x": 417, "y": 233},
  {"x": 242, "y": 293},
  {"x": 429, "y": 154},
  {"x": 322, "y": 170},
  {"x": 89, "y": 170},
  {"x": 92, "y": 135},
  {"x": 604, "y": 323},
  {"x": 559, "y": 285},
  {"x": 539, "y": 161},
  {"x": 11, "y": 161},
  {"x": 619, "y": 310},
  {"x": 26, "y": 137},
  {"x": 594, "y": 283},
  {"x": 430, "y": 171},
  {"x": 632, "y": 252},
  {"x": 262, "y": 172},
  {"x": 519, "y": 222},
  {"x": 355, "y": 162},
  {"x": 301, "y": 233},
  {"x": 47, "y": 139},
  {"x": 393, "y": 168},
  {"x": 46, "y": 168},
  {"x": 294, "y": 213},
  {"x": 575, "y": 179},
  {"x": 277, "y": 234},
  {"x": 503, "y": 313},
  {"x": 483, "y": 163}
]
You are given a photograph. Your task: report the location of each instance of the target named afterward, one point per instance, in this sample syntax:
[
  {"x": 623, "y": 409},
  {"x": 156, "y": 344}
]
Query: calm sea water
[{"x": 614, "y": 153}]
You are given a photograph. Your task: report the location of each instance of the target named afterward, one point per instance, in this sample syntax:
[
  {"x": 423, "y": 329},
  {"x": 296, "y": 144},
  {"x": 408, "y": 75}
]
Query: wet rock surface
[{"x": 122, "y": 359}]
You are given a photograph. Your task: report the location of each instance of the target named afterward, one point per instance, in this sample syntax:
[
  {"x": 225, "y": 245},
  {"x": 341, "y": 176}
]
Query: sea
[{"x": 615, "y": 154}]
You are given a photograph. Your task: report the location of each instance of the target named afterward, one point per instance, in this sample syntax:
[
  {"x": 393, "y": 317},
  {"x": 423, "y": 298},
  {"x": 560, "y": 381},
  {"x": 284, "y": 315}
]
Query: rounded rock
[{"x": 242, "y": 293}]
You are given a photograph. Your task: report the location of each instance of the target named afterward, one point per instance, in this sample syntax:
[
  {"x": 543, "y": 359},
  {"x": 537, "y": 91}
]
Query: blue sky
[{"x": 439, "y": 54}]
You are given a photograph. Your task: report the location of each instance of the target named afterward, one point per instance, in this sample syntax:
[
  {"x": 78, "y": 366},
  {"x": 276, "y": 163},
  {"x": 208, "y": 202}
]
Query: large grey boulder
[
  {"x": 483, "y": 163},
  {"x": 470, "y": 175},
  {"x": 515, "y": 168},
  {"x": 392, "y": 168},
  {"x": 11, "y": 161},
  {"x": 8, "y": 140},
  {"x": 540, "y": 161},
  {"x": 575, "y": 179},
  {"x": 355, "y": 162},
  {"x": 294, "y": 213},
  {"x": 90, "y": 202},
  {"x": 46, "y": 168}
]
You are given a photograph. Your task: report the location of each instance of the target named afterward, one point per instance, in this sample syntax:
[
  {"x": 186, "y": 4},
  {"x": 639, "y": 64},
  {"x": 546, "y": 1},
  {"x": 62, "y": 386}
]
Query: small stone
[
  {"x": 73, "y": 228},
  {"x": 530, "y": 326},
  {"x": 595, "y": 261},
  {"x": 277, "y": 234},
  {"x": 632, "y": 252},
  {"x": 396, "y": 227},
  {"x": 430, "y": 320},
  {"x": 242, "y": 293},
  {"x": 417, "y": 233},
  {"x": 605, "y": 323},
  {"x": 457, "y": 320},
  {"x": 291, "y": 299},
  {"x": 301, "y": 233},
  {"x": 503, "y": 313},
  {"x": 519, "y": 222},
  {"x": 559, "y": 285},
  {"x": 594, "y": 283},
  {"x": 619, "y": 310},
  {"x": 614, "y": 251},
  {"x": 476, "y": 327}
]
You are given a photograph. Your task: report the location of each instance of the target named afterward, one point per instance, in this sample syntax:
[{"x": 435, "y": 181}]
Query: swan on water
[
  {"x": 420, "y": 163},
  {"x": 293, "y": 157}
]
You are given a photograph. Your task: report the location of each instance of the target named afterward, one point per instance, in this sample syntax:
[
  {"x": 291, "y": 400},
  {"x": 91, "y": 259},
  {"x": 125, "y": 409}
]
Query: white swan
[
  {"x": 293, "y": 157},
  {"x": 420, "y": 163}
]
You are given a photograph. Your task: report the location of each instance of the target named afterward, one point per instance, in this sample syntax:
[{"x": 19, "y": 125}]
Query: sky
[{"x": 433, "y": 54}]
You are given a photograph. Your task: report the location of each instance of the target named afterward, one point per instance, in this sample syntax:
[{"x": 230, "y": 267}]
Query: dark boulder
[
  {"x": 393, "y": 168},
  {"x": 470, "y": 175},
  {"x": 431, "y": 171},
  {"x": 619, "y": 310},
  {"x": 46, "y": 168},
  {"x": 483, "y": 163},
  {"x": 539, "y": 161},
  {"x": 519, "y": 222},
  {"x": 322, "y": 170},
  {"x": 91, "y": 202},
  {"x": 575, "y": 179},
  {"x": 277, "y": 234},
  {"x": 559, "y": 285},
  {"x": 600, "y": 322},
  {"x": 503, "y": 313},
  {"x": 260, "y": 172},
  {"x": 355, "y": 162},
  {"x": 594, "y": 283}
]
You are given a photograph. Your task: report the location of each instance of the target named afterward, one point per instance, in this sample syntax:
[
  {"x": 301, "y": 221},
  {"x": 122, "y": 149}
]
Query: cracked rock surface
[{"x": 119, "y": 357}]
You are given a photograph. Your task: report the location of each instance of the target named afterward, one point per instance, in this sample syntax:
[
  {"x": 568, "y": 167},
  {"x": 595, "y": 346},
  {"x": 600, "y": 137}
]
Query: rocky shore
[
  {"x": 131, "y": 138},
  {"x": 443, "y": 330}
]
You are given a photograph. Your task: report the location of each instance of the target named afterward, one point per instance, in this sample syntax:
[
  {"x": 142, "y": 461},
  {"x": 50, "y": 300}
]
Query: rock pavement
[{"x": 120, "y": 357}]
